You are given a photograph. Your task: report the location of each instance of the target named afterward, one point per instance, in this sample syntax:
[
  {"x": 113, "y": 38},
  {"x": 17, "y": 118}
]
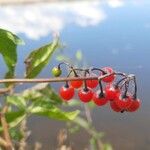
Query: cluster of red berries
[{"x": 119, "y": 100}]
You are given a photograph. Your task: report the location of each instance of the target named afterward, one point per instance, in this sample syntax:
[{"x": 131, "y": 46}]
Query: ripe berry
[
  {"x": 111, "y": 92},
  {"x": 66, "y": 92},
  {"x": 123, "y": 102},
  {"x": 134, "y": 105},
  {"x": 76, "y": 84},
  {"x": 109, "y": 78},
  {"x": 56, "y": 72},
  {"x": 99, "y": 98},
  {"x": 115, "y": 107},
  {"x": 92, "y": 83},
  {"x": 85, "y": 95}
]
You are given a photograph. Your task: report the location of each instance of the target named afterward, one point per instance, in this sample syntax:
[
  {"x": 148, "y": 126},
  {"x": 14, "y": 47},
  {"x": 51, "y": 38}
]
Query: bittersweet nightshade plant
[
  {"x": 119, "y": 98},
  {"x": 98, "y": 85}
]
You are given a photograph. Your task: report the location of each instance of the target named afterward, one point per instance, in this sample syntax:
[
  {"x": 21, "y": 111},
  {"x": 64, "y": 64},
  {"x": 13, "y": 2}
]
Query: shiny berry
[
  {"x": 66, "y": 92},
  {"x": 99, "y": 98},
  {"x": 134, "y": 105},
  {"x": 123, "y": 102},
  {"x": 109, "y": 78},
  {"x": 111, "y": 92},
  {"x": 92, "y": 83},
  {"x": 56, "y": 72},
  {"x": 76, "y": 84},
  {"x": 85, "y": 95},
  {"x": 115, "y": 107}
]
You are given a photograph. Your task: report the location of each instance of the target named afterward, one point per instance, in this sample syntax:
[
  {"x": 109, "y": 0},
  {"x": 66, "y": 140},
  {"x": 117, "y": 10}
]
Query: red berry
[
  {"x": 76, "y": 84},
  {"x": 134, "y": 105},
  {"x": 111, "y": 92},
  {"x": 66, "y": 92},
  {"x": 92, "y": 83},
  {"x": 115, "y": 107},
  {"x": 123, "y": 103},
  {"x": 109, "y": 78},
  {"x": 85, "y": 95},
  {"x": 99, "y": 99}
]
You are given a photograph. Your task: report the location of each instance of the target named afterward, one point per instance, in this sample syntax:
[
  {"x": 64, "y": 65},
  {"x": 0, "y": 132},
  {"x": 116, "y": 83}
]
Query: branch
[
  {"x": 7, "y": 138},
  {"x": 57, "y": 79},
  {"x": 3, "y": 142},
  {"x": 5, "y": 90}
]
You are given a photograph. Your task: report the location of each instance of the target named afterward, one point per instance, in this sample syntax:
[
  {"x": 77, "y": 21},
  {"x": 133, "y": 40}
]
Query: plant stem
[
  {"x": 5, "y": 127},
  {"x": 58, "y": 79},
  {"x": 3, "y": 142}
]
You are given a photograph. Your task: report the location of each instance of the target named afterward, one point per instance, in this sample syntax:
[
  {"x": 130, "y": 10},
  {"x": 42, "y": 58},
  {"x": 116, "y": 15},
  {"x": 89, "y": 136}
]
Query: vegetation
[{"x": 40, "y": 100}]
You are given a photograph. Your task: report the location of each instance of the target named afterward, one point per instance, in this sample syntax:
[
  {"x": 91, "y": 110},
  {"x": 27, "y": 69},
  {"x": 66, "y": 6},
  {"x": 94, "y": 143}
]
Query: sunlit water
[{"x": 110, "y": 33}]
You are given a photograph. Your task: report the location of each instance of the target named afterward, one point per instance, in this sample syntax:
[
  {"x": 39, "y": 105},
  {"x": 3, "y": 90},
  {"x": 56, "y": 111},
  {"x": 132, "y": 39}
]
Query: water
[{"x": 109, "y": 33}]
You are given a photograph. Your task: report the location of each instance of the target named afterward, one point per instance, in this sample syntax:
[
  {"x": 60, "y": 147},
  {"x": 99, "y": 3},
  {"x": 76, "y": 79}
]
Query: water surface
[{"x": 109, "y": 33}]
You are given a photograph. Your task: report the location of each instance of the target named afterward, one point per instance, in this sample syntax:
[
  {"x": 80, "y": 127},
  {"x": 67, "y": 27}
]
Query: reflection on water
[
  {"x": 111, "y": 32},
  {"x": 52, "y": 17}
]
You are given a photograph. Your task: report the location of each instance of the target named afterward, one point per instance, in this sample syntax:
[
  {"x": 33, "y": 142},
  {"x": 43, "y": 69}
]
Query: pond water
[{"x": 110, "y": 33}]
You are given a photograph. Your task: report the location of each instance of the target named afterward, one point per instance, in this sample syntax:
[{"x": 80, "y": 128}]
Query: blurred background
[{"x": 107, "y": 33}]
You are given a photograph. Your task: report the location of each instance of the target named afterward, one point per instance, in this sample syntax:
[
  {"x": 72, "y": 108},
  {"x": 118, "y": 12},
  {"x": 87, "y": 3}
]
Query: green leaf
[
  {"x": 12, "y": 37},
  {"x": 79, "y": 55},
  {"x": 15, "y": 134},
  {"x": 56, "y": 114},
  {"x": 93, "y": 143},
  {"x": 45, "y": 108},
  {"x": 39, "y": 58},
  {"x": 8, "y": 46},
  {"x": 14, "y": 118},
  {"x": 49, "y": 92},
  {"x": 42, "y": 92},
  {"x": 17, "y": 101},
  {"x": 107, "y": 147}
]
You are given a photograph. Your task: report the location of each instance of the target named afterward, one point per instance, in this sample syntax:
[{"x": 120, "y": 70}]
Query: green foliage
[
  {"x": 43, "y": 107},
  {"x": 41, "y": 99},
  {"x": 39, "y": 58},
  {"x": 17, "y": 101},
  {"x": 8, "y": 46},
  {"x": 9, "y": 37},
  {"x": 107, "y": 147},
  {"x": 15, "y": 134},
  {"x": 39, "y": 102},
  {"x": 14, "y": 118},
  {"x": 41, "y": 91},
  {"x": 79, "y": 55},
  {"x": 53, "y": 112},
  {"x": 93, "y": 143}
]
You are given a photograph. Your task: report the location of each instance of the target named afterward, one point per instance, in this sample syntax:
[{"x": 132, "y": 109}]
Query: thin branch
[
  {"x": 3, "y": 142},
  {"x": 57, "y": 79},
  {"x": 5, "y": 127},
  {"x": 5, "y": 90}
]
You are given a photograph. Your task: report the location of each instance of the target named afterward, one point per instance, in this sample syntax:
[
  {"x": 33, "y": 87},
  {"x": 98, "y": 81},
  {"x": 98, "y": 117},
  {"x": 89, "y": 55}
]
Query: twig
[
  {"x": 58, "y": 79},
  {"x": 3, "y": 142},
  {"x": 7, "y": 138}
]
